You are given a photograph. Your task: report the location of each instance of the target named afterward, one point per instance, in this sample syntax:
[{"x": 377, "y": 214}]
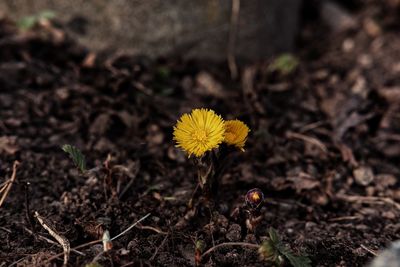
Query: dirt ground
[{"x": 324, "y": 148}]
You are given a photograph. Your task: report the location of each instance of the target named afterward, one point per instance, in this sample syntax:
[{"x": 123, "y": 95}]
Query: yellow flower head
[
  {"x": 200, "y": 131},
  {"x": 236, "y": 133}
]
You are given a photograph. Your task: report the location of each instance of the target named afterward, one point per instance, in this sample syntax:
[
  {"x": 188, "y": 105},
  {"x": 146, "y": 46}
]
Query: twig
[
  {"x": 5, "y": 229},
  {"x": 373, "y": 252},
  {"x": 311, "y": 126},
  {"x": 364, "y": 199},
  {"x": 11, "y": 181},
  {"x": 98, "y": 241},
  {"x": 308, "y": 139},
  {"x": 158, "y": 248},
  {"x": 345, "y": 218},
  {"x": 232, "y": 39},
  {"x": 128, "y": 264},
  {"x": 95, "y": 259},
  {"x": 60, "y": 239},
  {"x": 74, "y": 248},
  {"x": 50, "y": 241},
  {"x": 130, "y": 227},
  {"x": 241, "y": 244},
  {"x": 144, "y": 227}
]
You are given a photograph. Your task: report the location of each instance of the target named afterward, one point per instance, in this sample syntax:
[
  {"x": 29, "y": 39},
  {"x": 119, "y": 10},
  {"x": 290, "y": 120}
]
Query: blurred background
[{"x": 196, "y": 29}]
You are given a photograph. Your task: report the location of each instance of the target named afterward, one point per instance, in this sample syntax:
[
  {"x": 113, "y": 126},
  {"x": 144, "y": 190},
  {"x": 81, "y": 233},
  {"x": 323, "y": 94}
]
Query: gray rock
[
  {"x": 389, "y": 257},
  {"x": 194, "y": 29}
]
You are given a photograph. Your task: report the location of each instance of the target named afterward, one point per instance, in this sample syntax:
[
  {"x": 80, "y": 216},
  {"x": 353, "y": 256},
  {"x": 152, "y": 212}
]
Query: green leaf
[
  {"x": 46, "y": 14},
  {"x": 273, "y": 235},
  {"x": 298, "y": 261},
  {"x": 76, "y": 155},
  {"x": 285, "y": 63},
  {"x": 93, "y": 264},
  {"x": 29, "y": 22},
  {"x": 295, "y": 261}
]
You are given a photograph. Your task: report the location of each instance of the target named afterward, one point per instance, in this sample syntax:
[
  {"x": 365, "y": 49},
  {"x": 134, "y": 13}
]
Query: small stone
[
  {"x": 363, "y": 175},
  {"x": 348, "y": 45},
  {"x": 310, "y": 225},
  {"x": 388, "y": 215}
]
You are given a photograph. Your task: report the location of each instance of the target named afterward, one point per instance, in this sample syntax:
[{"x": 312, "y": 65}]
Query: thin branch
[
  {"x": 60, "y": 239},
  {"x": 145, "y": 227},
  {"x": 373, "y": 252},
  {"x": 10, "y": 183},
  {"x": 77, "y": 247},
  {"x": 97, "y": 241},
  {"x": 308, "y": 139},
  {"x": 130, "y": 227},
  {"x": 158, "y": 248},
  {"x": 366, "y": 199}
]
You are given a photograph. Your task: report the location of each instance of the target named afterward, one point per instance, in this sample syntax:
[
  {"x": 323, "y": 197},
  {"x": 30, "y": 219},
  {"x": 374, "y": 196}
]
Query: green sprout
[
  {"x": 285, "y": 63},
  {"x": 76, "y": 155},
  {"x": 28, "y": 22},
  {"x": 271, "y": 250},
  {"x": 275, "y": 251}
]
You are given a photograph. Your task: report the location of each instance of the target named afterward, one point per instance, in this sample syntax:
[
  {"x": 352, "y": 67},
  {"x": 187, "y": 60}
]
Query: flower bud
[{"x": 254, "y": 198}]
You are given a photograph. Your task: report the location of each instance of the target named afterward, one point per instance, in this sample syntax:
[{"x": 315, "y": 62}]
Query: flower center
[{"x": 200, "y": 135}]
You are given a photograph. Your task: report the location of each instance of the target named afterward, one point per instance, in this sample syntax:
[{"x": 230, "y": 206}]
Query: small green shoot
[
  {"x": 285, "y": 63},
  {"x": 28, "y": 22},
  {"x": 76, "y": 155},
  {"x": 93, "y": 264},
  {"x": 275, "y": 251}
]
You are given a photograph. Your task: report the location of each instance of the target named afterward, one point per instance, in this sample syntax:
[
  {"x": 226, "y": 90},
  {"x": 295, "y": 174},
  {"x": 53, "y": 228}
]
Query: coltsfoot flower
[
  {"x": 200, "y": 131},
  {"x": 236, "y": 133},
  {"x": 254, "y": 198}
]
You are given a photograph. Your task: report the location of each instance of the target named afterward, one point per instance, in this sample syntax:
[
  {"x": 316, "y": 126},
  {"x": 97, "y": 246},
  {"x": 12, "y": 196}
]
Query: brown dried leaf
[
  {"x": 209, "y": 86},
  {"x": 100, "y": 124},
  {"x": 8, "y": 145},
  {"x": 303, "y": 181}
]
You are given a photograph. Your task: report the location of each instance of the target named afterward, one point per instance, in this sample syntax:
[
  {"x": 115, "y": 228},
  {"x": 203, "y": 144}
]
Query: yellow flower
[
  {"x": 200, "y": 131},
  {"x": 236, "y": 133}
]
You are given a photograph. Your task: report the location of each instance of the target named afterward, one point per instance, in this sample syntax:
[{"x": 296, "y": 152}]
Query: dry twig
[
  {"x": 365, "y": 199},
  {"x": 130, "y": 227},
  {"x": 60, "y": 239},
  {"x": 373, "y": 252},
  {"x": 74, "y": 248},
  {"x": 50, "y": 241},
  {"x": 9, "y": 183},
  {"x": 151, "y": 228},
  {"x": 158, "y": 248},
  {"x": 308, "y": 139},
  {"x": 100, "y": 240}
]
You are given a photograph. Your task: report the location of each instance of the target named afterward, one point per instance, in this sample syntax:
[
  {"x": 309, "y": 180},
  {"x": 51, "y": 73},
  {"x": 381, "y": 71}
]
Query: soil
[{"x": 324, "y": 148}]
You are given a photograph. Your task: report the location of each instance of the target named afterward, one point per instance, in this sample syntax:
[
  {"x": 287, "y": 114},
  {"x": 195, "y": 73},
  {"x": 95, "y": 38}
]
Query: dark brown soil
[{"x": 316, "y": 135}]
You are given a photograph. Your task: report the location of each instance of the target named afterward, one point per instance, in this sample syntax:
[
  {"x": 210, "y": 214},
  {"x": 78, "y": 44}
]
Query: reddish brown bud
[{"x": 254, "y": 198}]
